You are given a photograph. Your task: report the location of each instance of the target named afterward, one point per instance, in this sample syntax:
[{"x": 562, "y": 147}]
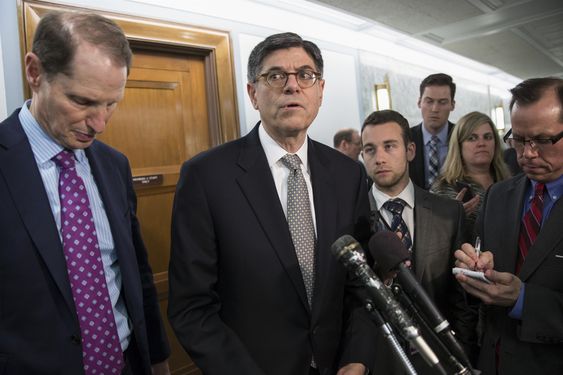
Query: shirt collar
[
  {"x": 442, "y": 134},
  {"x": 274, "y": 152},
  {"x": 407, "y": 195},
  {"x": 553, "y": 188},
  {"x": 43, "y": 146}
]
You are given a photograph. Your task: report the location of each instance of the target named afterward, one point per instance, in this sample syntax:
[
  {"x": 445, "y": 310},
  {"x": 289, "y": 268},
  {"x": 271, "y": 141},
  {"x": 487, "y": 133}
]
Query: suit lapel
[
  {"x": 25, "y": 184},
  {"x": 549, "y": 237},
  {"x": 424, "y": 221},
  {"x": 506, "y": 260},
  {"x": 111, "y": 188},
  {"x": 325, "y": 214},
  {"x": 258, "y": 187}
]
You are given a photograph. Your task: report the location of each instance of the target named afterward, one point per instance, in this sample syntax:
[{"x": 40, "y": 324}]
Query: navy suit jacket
[
  {"x": 533, "y": 344},
  {"x": 417, "y": 170},
  {"x": 39, "y": 330},
  {"x": 237, "y": 299}
]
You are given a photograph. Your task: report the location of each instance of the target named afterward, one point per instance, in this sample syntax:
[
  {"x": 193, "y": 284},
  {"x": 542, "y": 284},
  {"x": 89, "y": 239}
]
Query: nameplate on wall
[{"x": 146, "y": 181}]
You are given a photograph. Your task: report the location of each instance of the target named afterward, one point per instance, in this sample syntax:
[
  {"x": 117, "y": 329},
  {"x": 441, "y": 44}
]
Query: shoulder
[
  {"x": 440, "y": 202},
  {"x": 101, "y": 149},
  {"x": 334, "y": 160}
]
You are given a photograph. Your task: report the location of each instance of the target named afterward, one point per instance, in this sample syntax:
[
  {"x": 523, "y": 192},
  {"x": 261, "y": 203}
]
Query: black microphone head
[
  {"x": 388, "y": 251},
  {"x": 344, "y": 244}
]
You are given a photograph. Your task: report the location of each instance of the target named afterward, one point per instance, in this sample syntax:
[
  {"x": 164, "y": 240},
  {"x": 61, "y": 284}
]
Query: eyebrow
[{"x": 302, "y": 67}]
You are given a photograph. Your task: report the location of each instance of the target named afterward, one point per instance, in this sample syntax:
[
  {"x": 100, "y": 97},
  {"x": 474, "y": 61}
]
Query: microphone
[
  {"x": 389, "y": 253},
  {"x": 349, "y": 252}
]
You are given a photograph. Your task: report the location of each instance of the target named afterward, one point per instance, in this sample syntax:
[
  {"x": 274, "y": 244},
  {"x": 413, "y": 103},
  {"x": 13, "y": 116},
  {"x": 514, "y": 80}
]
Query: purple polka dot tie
[{"x": 101, "y": 349}]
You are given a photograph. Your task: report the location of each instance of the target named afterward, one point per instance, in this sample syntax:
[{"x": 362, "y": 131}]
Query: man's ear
[
  {"x": 418, "y": 102},
  {"x": 411, "y": 151},
  {"x": 33, "y": 71},
  {"x": 251, "y": 90}
]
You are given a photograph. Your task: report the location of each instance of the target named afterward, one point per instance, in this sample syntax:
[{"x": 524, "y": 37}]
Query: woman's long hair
[{"x": 454, "y": 166}]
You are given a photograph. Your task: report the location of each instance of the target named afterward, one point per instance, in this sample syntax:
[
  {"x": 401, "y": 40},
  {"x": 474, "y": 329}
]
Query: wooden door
[
  {"x": 179, "y": 100},
  {"x": 161, "y": 122}
]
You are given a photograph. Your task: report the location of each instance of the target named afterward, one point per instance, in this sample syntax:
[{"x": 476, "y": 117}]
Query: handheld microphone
[
  {"x": 389, "y": 253},
  {"x": 349, "y": 252}
]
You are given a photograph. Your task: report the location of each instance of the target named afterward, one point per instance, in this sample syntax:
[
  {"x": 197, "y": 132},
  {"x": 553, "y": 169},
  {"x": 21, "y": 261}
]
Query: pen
[{"x": 478, "y": 246}]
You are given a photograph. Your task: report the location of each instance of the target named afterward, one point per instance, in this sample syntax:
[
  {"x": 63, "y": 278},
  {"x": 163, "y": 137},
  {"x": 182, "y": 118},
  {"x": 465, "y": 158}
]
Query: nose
[
  {"x": 528, "y": 152},
  {"x": 97, "y": 119},
  {"x": 291, "y": 85}
]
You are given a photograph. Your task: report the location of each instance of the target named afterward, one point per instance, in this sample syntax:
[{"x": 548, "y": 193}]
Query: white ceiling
[{"x": 521, "y": 37}]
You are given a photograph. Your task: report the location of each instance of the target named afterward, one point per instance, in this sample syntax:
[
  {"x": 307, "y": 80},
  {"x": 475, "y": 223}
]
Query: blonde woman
[{"x": 474, "y": 162}]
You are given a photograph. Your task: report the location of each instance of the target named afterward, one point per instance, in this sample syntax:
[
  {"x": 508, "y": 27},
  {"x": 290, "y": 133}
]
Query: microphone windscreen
[{"x": 388, "y": 251}]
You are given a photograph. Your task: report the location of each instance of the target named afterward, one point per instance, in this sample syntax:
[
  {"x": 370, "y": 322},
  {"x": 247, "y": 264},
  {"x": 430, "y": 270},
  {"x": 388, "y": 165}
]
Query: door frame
[{"x": 213, "y": 45}]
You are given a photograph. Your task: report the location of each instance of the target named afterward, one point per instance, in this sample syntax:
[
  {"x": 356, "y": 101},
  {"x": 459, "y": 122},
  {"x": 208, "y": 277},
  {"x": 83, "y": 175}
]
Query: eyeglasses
[
  {"x": 278, "y": 78},
  {"x": 536, "y": 144}
]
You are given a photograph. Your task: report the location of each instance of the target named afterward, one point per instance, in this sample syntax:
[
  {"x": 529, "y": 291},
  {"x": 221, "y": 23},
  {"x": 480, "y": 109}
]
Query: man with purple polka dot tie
[{"x": 76, "y": 290}]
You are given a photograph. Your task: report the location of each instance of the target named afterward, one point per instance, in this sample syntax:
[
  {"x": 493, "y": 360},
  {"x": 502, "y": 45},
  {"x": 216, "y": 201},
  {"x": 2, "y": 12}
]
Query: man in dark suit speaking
[
  {"x": 520, "y": 226},
  {"x": 431, "y": 137},
  {"x": 254, "y": 288},
  {"x": 76, "y": 289}
]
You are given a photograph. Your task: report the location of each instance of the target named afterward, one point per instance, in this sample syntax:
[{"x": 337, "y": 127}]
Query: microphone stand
[
  {"x": 452, "y": 360},
  {"x": 388, "y": 333}
]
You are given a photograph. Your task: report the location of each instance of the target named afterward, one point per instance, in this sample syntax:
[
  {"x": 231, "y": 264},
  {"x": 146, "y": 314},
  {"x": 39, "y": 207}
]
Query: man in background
[
  {"x": 432, "y": 135},
  {"x": 76, "y": 290},
  {"x": 520, "y": 226},
  {"x": 348, "y": 142},
  {"x": 254, "y": 288},
  {"x": 430, "y": 226}
]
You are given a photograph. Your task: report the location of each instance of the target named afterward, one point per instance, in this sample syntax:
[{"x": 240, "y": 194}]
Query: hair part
[
  {"x": 59, "y": 34},
  {"x": 388, "y": 115},
  {"x": 281, "y": 41},
  {"x": 438, "y": 79},
  {"x": 454, "y": 166},
  {"x": 343, "y": 135},
  {"x": 532, "y": 90}
]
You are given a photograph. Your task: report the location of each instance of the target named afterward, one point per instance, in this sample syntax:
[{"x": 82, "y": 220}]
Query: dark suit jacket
[
  {"x": 533, "y": 345},
  {"x": 438, "y": 233},
  {"x": 417, "y": 170},
  {"x": 39, "y": 331},
  {"x": 237, "y": 299}
]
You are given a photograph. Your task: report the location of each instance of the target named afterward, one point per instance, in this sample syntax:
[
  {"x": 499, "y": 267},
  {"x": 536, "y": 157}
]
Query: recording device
[
  {"x": 468, "y": 193},
  {"x": 390, "y": 253},
  {"x": 349, "y": 252}
]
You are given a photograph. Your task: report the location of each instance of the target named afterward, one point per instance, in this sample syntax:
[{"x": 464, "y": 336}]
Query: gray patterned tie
[
  {"x": 300, "y": 221},
  {"x": 433, "y": 161}
]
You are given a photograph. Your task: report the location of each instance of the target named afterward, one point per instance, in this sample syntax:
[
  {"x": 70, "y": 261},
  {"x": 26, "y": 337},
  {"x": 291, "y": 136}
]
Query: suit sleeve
[
  {"x": 194, "y": 303},
  {"x": 158, "y": 343}
]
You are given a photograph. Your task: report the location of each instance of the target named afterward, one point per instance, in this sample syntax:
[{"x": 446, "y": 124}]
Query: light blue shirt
[
  {"x": 442, "y": 146},
  {"x": 44, "y": 149},
  {"x": 553, "y": 191}
]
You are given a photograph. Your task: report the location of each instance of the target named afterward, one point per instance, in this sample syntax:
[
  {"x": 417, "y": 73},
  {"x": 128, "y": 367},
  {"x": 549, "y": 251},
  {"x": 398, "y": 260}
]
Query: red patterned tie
[
  {"x": 530, "y": 227},
  {"x": 101, "y": 350}
]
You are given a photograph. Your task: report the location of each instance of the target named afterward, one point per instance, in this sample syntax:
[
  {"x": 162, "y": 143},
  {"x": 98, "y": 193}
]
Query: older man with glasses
[
  {"x": 520, "y": 226},
  {"x": 254, "y": 288}
]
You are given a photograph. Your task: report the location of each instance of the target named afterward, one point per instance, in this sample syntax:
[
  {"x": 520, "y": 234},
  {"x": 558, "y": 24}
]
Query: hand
[
  {"x": 471, "y": 205},
  {"x": 160, "y": 368},
  {"x": 503, "y": 290},
  {"x": 466, "y": 257},
  {"x": 352, "y": 369}
]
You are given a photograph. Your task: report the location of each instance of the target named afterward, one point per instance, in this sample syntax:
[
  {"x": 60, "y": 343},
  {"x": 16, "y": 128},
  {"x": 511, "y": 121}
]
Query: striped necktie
[{"x": 530, "y": 226}]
